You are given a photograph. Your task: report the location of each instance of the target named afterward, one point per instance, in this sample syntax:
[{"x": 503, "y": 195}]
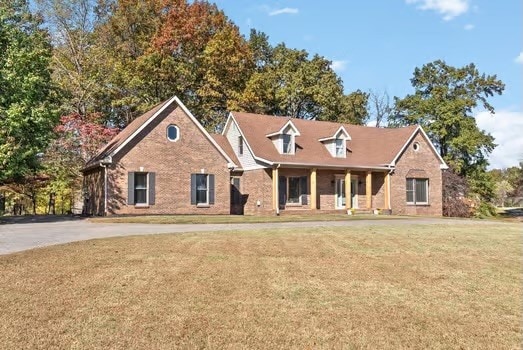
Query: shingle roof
[
  {"x": 123, "y": 135},
  {"x": 226, "y": 147},
  {"x": 368, "y": 147}
]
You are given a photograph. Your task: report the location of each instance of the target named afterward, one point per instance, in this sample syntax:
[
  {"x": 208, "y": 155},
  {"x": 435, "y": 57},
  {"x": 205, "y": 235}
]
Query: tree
[
  {"x": 354, "y": 108},
  {"x": 74, "y": 62},
  {"x": 293, "y": 85},
  {"x": 380, "y": 107},
  {"x": 442, "y": 104},
  {"x": 227, "y": 64},
  {"x": 27, "y": 98}
]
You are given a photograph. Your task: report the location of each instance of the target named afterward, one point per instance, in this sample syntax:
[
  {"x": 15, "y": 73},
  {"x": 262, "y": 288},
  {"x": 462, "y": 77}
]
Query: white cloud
[
  {"x": 447, "y": 8},
  {"x": 506, "y": 127},
  {"x": 469, "y": 26},
  {"x": 339, "y": 65},
  {"x": 285, "y": 10},
  {"x": 519, "y": 59}
]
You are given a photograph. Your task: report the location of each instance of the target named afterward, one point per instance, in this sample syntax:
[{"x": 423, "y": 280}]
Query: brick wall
[
  {"x": 173, "y": 163},
  {"x": 423, "y": 159}
]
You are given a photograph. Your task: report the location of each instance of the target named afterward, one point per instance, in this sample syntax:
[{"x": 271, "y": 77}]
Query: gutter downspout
[
  {"x": 105, "y": 187},
  {"x": 390, "y": 178},
  {"x": 104, "y": 163}
]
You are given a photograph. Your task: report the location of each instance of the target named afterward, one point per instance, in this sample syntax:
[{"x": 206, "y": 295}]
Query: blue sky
[{"x": 377, "y": 44}]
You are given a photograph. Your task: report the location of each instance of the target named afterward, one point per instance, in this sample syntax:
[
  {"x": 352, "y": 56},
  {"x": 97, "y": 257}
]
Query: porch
[{"x": 329, "y": 190}]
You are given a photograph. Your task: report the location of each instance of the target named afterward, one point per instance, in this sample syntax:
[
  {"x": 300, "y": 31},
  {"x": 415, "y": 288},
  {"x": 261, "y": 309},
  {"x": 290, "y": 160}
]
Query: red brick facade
[
  {"x": 423, "y": 159},
  {"x": 170, "y": 166}
]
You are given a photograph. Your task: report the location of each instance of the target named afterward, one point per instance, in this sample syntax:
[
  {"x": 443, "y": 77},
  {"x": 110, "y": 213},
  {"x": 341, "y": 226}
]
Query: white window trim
[
  {"x": 146, "y": 204},
  {"x": 177, "y": 132},
  {"x": 414, "y": 191}
]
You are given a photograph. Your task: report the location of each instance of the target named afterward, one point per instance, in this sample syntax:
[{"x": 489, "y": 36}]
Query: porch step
[{"x": 290, "y": 212}]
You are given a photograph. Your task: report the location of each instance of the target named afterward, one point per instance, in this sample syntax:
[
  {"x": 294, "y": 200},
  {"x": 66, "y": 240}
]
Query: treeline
[{"x": 74, "y": 72}]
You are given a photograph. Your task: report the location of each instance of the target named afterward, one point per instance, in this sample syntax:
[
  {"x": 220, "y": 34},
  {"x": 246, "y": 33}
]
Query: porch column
[
  {"x": 348, "y": 194},
  {"x": 313, "y": 188},
  {"x": 368, "y": 189},
  {"x": 275, "y": 192},
  {"x": 387, "y": 190}
]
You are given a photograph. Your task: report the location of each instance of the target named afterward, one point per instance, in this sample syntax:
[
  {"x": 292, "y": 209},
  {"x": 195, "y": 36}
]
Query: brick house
[{"x": 164, "y": 162}]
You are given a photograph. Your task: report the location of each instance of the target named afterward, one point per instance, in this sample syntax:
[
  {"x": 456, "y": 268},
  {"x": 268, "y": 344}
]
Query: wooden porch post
[
  {"x": 387, "y": 190},
  {"x": 368, "y": 189},
  {"x": 275, "y": 192},
  {"x": 348, "y": 194},
  {"x": 313, "y": 188}
]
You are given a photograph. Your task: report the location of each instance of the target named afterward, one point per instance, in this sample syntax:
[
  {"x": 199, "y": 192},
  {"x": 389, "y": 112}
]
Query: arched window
[{"x": 173, "y": 133}]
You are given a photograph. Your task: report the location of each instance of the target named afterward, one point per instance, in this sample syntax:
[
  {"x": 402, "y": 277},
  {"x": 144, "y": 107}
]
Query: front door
[{"x": 340, "y": 193}]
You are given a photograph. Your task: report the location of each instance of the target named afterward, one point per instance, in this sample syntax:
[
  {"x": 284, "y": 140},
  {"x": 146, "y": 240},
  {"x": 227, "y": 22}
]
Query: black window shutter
[
  {"x": 130, "y": 188},
  {"x": 193, "y": 188},
  {"x": 304, "y": 191},
  {"x": 282, "y": 191},
  {"x": 152, "y": 188},
  {"x": 211, "y": 189}
]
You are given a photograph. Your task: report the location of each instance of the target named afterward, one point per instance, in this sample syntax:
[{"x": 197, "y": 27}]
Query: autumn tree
[
  {"x": 27, "y": 100},
  {"x": 354, "y": 108}
]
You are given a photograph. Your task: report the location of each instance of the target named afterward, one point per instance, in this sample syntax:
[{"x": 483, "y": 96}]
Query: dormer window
[
  {"x": 336, "y": 144},
  {"x": 284, "y": 139},
  {"x": 286, "y": 144},
  {"x": 340, "y": 147}
]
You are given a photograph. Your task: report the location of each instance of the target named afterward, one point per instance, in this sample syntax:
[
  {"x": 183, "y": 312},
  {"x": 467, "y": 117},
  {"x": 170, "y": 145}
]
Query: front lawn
[{"x": 404, "y": 286}]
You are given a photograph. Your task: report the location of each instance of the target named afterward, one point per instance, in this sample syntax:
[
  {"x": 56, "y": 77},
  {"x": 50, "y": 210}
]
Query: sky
[{"x": 376, "y": 45}]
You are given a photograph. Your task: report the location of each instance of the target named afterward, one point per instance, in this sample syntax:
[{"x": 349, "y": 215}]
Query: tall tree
[
  {"x": 355, "y": 108},
  {"x": 227, "y": 64},
  {"x": 380, "y": 107},
  {"x": 442, "y": 103},
  {"x": 71, "y": 24},
  {"x": 292, "y": 84},
  {"x": 27, "y": 112}
]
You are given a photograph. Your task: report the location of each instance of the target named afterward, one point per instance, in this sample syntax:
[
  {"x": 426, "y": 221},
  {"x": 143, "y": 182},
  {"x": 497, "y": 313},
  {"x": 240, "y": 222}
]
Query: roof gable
[{"x": 140, "y": 123}]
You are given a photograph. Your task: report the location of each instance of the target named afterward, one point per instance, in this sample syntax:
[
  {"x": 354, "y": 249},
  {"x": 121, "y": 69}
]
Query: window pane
[
  {"x": 339, "y": 147},
  {"x": 140, "y": 196},
  {"x": 140, "y": 181},
  {"x": 410, "y": 190},
  {"x": 286, "y": 143},
  {"x": 172, "y": 132},
  {"x": 201, "y": 188},
  {"x": 294, "y": 190},
  {"x": 421, "y": 191},
  {"x": 240, "y": 145}
]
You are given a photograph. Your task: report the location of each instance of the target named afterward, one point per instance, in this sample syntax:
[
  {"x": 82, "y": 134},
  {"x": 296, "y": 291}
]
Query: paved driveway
[{"x": 22, "y": 236}]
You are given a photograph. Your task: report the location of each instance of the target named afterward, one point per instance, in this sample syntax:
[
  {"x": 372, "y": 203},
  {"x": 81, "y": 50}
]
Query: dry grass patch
[{"x": 371, "y": 287}]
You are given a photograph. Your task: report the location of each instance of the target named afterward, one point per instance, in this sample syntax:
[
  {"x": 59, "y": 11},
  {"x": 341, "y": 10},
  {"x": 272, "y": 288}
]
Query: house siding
[
  {"x": 246, "y": 159},
  {"x": 423, "y": 159},
  {"x": 256, "y": 185},
  {"x": 173, "y": 163}
]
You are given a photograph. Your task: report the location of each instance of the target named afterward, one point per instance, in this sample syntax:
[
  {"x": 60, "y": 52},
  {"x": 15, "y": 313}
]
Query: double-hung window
[
  {"x": 417, "y": 191},
  {"x": 141, "y": 188},
  {"x": 240, "y": 145},
  {"x": 202, "y": 189},
  {"x": 287, "y": 144},
  {"x": 340, "y": 149}
]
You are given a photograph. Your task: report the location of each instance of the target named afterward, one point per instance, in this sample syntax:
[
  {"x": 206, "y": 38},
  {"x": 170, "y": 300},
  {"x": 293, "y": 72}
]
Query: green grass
[
  {"x": 235, "y": 219},
  {"x": 404, "y": 286}
]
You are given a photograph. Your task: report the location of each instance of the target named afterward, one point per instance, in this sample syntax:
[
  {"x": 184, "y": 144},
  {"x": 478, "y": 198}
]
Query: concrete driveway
[{"x": 19, "y": 236}]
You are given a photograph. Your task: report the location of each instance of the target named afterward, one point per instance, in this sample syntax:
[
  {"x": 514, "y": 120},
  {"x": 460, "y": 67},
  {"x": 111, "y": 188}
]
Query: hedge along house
[{"x": 164, "y": 162}]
